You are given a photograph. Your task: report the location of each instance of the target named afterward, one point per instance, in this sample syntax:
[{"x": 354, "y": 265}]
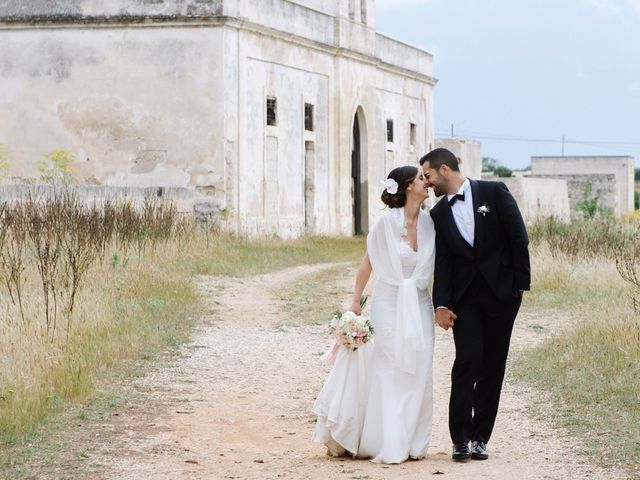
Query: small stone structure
[
  {"x": 611, "y": 179},
  {"x": 468, "y": 152},
  {"x": 537, "y": 198},
  {"x": 540, "y": 198}
]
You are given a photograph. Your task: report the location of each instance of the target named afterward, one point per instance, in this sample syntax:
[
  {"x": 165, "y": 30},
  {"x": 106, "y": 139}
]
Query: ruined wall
[
  {"x": 621, "y": 167},
  {"x": 604, "y": 187}
]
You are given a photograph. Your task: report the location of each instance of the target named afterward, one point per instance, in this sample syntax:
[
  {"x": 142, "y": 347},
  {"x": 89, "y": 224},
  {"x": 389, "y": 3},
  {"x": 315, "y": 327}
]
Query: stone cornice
[
  {"x": 79, "y": 21},
  {"x": 159, "y": 21},
  {"x": 246, "y": 25}
]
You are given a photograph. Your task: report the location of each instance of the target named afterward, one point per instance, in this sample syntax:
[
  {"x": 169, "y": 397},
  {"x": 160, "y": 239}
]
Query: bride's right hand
[{"x": 355, "y": 308}]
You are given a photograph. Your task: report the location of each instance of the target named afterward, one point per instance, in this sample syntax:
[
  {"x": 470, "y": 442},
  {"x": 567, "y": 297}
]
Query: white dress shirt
[
  {"x": 463, "y": 215},
  {"x": 463, "y": 212}
]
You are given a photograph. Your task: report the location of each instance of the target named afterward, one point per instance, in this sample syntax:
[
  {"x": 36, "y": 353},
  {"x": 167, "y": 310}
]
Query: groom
[{"x": 481, "y": 271}]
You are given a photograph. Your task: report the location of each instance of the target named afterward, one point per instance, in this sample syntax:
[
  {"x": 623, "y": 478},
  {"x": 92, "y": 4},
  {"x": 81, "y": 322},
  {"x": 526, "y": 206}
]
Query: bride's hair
[{"x": 403, "y": 177}]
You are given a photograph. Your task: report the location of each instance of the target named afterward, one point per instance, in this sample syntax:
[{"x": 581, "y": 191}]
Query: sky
[{"x": 518, "y": 75}]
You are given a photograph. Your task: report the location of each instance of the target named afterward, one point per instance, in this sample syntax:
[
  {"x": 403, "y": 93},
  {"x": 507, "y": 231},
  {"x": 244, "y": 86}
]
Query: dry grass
[
  {"x": 122, "y": 314},
  {"x": 78, "y": 312},
  {"x": 592, "y": 366},
  {"x": 227, "y": 255},
  {"x": 315, "y": 298}
]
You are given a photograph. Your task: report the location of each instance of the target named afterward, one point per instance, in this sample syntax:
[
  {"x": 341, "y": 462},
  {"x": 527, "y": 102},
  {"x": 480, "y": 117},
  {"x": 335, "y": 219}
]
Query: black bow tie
[{"x": 455, "y": 198}]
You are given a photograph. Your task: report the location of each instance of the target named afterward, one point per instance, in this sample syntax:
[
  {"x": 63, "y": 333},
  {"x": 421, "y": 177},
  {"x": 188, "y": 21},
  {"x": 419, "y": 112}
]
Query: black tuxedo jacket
[{"x": 500, "y": 252}]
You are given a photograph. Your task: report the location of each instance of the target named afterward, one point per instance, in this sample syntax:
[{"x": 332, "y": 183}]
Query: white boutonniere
[{"x": 484, "y": 209}]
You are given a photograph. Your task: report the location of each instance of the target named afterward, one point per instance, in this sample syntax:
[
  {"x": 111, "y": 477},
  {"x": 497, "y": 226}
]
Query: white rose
[{"x": 348, "y": 316}]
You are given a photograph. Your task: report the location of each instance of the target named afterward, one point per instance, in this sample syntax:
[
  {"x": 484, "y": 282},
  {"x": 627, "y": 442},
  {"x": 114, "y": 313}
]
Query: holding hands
[{"x": 445, "y": 318}]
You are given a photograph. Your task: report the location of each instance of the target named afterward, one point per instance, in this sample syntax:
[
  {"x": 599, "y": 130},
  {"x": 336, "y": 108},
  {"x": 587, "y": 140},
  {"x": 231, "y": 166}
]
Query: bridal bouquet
[{"x": 351, "y": 330}]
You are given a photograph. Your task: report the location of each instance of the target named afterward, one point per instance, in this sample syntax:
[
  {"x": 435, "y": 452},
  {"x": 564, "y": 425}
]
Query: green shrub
[
  {"x": 503, "y": 172},
  {"x": 57, "y": 168}
]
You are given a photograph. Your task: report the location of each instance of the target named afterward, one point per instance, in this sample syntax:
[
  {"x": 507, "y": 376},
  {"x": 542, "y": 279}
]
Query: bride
[{"x": 377, "y": 401}]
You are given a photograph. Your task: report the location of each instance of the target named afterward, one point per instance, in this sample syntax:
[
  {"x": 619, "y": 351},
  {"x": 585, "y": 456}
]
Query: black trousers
[{"x": 482, "y": 333}]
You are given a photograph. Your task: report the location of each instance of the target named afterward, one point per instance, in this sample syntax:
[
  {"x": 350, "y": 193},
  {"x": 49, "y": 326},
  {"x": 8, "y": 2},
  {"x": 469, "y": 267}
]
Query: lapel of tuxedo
[{"x": 477, "y": 216}]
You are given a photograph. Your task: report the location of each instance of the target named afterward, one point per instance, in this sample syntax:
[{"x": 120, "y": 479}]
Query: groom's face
[{"x": 435, "y": 179}]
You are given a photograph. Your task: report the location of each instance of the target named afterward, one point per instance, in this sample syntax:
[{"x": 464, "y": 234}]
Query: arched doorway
[{"x": 359, "y": 184}]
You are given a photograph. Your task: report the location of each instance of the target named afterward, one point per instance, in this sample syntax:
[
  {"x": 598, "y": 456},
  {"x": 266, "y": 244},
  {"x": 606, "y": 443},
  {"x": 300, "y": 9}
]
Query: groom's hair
[{"x": 439, "y": 157}]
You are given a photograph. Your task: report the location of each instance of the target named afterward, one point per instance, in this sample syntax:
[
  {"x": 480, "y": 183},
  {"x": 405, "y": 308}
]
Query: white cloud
[
  {"x": 634, "y": 88},
  {"x": 389, "y": 4},
  {"x": 614, "y": 6},
  {"x": 605, "y": 6}
]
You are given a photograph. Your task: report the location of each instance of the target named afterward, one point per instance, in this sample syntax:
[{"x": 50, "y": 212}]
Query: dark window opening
[
  {"x": 412, "y": 134},
  {"x": 272, "y": 111},
  {"x": 308, "y": 117},
  {"x": 390, "y": 131}
]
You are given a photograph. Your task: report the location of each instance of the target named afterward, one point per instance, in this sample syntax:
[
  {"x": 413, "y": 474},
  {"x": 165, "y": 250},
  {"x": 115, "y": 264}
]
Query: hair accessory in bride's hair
[{"x": 390, "y": 185}]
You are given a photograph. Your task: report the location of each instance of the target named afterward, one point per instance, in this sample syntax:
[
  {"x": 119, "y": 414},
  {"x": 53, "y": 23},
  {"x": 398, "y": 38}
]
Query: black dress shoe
[
  {"x": 461, "y": 452},
  {"x": 479, "y": 450}
]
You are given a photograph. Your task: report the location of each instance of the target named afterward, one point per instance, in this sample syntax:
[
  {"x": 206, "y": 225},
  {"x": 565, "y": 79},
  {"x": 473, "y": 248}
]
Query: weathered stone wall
[
  {"x": 621, "y": 167},
  {"x": 602, "y": 186},
  {"x": 272, "y": 156},
  {"x": 136, "y": 107}
]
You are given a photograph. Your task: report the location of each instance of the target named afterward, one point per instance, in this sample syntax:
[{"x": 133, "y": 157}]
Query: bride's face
[{"x": 419, "y": 186}]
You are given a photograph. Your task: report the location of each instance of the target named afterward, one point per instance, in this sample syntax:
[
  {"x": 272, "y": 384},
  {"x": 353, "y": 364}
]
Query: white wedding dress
[{"x": 377, "y": 401}]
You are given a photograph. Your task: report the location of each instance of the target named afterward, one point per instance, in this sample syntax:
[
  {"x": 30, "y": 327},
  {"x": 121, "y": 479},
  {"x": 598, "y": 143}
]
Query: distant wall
[
  {"x": 540, "y": 198},
  {"x": 467, "y": 151},
  {"x": 602, "y": 186},
  {"x": 618, "y": 169}
]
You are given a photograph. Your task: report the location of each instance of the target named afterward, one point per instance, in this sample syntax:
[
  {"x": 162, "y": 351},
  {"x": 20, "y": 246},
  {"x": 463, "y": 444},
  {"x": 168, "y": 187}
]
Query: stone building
[
  {"x": 610, "y": 178},
  {"x": 285, "y": 114}
]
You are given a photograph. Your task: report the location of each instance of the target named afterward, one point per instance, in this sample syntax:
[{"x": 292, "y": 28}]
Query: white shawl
[{"x": 383, "y": 247}]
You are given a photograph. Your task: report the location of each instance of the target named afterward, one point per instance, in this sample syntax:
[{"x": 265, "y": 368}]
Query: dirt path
[{"x": 237, "y": 405}]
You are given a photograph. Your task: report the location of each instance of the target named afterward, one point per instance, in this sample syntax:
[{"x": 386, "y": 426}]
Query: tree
[
  {"x": 637, "y": 174},
  {"x": 502, "y": 171},
  {"x": 489, "y": 164}
]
